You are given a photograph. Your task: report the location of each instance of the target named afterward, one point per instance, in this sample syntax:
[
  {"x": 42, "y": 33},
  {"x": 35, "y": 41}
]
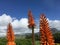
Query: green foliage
[
  {"x": 23, "y": 42},
  {"x": 37, "y": 37},
  {"x": 3, "y": 41},
  {"x": 30, "y": 37},
  {"x": 37, "y": 42},
  {"x": 28, "y": 40},
  {"x": 57, "y": 37}
]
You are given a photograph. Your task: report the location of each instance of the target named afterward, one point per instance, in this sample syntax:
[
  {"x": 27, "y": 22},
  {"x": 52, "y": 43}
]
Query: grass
[
  {"x": 38, "y": 43},
  {"x": 21, "y": 42},
  {"x": 57, "y": 43}
]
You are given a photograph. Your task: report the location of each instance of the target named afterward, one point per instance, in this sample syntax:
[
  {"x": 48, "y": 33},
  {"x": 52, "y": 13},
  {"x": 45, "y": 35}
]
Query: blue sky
[
  {"x": 16, "y": 12},
  {"x": 19, "y": 8}
]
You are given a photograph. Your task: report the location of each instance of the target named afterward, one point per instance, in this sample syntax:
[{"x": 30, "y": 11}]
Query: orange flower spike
[
  {"x": 42, "y": 33},
  {"x": 30, "y": 20},
  {"x": 31, "y": 25},
  {"x": 10, "y": 35},
  {"x": 45, "y": 31}
]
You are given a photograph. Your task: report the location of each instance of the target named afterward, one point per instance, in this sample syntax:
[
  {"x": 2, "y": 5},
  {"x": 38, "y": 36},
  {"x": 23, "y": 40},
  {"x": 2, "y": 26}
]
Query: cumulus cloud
[
  {"x": 5, "y": 19},
  {"x": 54, "y": 24},
  {"x": 21, "y": 26}
]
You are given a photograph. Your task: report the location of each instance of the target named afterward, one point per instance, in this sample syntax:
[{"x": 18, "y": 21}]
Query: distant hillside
[
  {"x": 53, "y": 30},
  {"x": 20, "y": 36}
]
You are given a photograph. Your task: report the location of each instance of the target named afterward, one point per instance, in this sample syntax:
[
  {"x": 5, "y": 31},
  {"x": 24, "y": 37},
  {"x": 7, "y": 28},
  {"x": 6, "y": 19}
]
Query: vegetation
[
  {"x": 30, "y": 37},
  {"x": 23, "y": 42},
  {"x": 28, "y": 40},
  {"x": 3, "y": 41},
  {"x": 57, "y": 37}
]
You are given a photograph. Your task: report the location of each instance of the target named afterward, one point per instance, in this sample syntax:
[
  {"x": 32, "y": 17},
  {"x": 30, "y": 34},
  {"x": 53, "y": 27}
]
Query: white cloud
[
  {"x": 21, "y": 26},
  {"x": 54, "y": 24},
  {"x": 5, "y": 19},
  {"x": 22, "y": 23}
]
